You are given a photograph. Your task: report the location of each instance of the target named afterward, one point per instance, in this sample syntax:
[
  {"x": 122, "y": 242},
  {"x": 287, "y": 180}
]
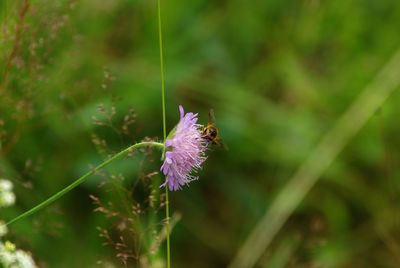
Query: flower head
[
  {"x": 185, "y": 152},
  {"x": 7, "y": 197},
  {"x": 10, "y": 256},
  {"x": 3, "y": 229}
]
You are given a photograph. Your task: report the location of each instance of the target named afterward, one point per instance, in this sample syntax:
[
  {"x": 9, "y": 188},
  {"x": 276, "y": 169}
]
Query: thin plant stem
[
  {"x": 162, "y": 71},
  {"x": 164, "y": 128},
  {"x": 80, "y": 180},
  {"x": 167, "y": 227}
]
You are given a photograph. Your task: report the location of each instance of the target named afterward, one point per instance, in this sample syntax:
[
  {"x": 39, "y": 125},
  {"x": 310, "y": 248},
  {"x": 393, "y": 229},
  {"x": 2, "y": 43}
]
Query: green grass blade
[
  {"x": 167, "y": 223},
  {"x": 80, "y": 180},
  {"x": 371, "y": 98}
]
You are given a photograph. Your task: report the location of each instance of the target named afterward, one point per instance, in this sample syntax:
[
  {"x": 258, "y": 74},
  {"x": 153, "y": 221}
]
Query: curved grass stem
[{"x": 80, "y": 180}]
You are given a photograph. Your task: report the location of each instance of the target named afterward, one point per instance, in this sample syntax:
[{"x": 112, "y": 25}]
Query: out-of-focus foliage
[{"x": 80, "y": 81}]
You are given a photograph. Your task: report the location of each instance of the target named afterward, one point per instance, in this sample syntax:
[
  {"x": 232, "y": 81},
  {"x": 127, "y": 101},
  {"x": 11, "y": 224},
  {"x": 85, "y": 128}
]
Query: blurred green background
[{"x": 81, "y": 81}]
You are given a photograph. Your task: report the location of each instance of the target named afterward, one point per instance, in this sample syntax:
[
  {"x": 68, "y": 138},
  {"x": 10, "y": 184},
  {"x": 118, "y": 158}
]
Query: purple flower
[{"x": 185, "y": 152}]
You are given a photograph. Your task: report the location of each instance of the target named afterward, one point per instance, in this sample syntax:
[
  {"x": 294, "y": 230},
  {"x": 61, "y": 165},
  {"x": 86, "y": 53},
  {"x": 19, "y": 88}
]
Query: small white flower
[
  {"x": 7, "y": 199},
  {"x": 5, "y": 185},
  {"x": 15, "y": 258},
  {"x": 24, "y": 260},
  {"x": 3, "y": 229},
  {"x": 7, "y": 257}
]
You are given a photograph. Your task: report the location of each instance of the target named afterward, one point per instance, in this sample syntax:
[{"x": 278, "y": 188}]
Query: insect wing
[{"x": 211, "y": 117}]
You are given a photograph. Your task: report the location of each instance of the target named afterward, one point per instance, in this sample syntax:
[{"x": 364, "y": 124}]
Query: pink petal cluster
[{"x": 185, "y": 152}]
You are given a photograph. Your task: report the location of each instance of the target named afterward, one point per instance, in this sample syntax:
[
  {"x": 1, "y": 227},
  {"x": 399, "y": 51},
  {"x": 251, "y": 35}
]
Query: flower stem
[
  {"x": 164, "y": 127},
  {"x": 167, "y": 227},
  {"x": 84, "y": 177},
  {"x": 162, "y": 71}
]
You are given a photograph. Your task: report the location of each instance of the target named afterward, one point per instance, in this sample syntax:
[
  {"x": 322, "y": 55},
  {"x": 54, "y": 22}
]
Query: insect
[{"x": 210, "y": 132}]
